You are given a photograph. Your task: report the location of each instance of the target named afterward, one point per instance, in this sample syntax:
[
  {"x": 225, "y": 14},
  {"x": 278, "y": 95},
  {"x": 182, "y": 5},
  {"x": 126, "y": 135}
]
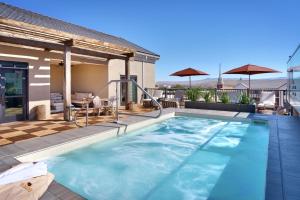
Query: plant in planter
[
  {"x": 244, "y": 99},
  {"x": 225, "y": 98},
  {"x": 207, "y": 96},
  {"x": 193, "y": 94},
  {"x": 243, "y": 106}
]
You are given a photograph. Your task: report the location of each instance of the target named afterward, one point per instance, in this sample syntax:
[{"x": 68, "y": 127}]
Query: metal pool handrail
[{"x": 138, "y": 86}]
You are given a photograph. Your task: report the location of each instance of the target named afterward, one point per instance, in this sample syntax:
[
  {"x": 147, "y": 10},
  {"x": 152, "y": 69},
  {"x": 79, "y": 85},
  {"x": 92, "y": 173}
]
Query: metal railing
[
  {"x": 281, "y": 96},
  {"x": 138, "y": 86}
]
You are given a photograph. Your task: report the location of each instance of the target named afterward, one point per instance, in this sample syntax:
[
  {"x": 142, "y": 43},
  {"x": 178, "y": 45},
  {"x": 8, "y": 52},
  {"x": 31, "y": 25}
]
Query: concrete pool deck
[{"x": 283, "y": 172}]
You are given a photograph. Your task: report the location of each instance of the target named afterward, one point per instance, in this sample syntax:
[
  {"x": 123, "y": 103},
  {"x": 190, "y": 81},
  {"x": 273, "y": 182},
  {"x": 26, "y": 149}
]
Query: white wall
[
  {"x": 90, "y": 78},
  {"x": 145, "y": 77}
]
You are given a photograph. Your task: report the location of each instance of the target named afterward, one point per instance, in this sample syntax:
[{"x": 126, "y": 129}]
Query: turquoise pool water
[{"x": 180, "y": 158}]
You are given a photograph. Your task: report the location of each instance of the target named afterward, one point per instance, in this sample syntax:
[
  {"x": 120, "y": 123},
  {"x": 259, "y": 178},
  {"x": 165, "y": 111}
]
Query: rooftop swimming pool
[{"x": 179, "y": 158}]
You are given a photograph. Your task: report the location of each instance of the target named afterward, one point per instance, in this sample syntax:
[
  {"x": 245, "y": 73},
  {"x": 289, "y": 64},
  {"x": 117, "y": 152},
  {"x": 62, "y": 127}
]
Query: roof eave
[{"x": 58, "y": 36}]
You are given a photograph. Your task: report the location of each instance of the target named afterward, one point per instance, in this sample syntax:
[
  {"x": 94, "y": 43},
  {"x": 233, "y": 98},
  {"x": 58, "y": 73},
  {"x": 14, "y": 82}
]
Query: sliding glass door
[{"x": 13, "y": 91}]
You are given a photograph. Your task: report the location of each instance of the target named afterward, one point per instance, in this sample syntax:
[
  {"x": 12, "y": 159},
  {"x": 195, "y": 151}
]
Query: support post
[
  {"x": 87, "y": 113},
  {"x": 128, "y": 96},
  {"x": 117, "y": 102},
  {"x": 67, "y": 82}
]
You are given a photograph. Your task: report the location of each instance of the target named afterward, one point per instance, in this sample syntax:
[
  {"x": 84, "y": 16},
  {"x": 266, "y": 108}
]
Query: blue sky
[{"x": 191, "y": 33}]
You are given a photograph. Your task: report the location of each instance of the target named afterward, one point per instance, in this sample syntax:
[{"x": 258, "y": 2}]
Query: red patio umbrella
[
  {"x": 189, "y": 72},
  {"x": 251, "y": 70}
]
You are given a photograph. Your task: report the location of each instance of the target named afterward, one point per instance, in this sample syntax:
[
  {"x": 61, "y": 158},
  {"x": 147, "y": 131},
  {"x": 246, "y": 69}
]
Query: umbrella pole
[
  {"x": 190, "y": 81},
  {"x": 249, "y": 87}
]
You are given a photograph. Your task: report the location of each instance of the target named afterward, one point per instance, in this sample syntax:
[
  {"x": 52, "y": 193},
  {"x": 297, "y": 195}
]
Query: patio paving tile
[
  {"x": 32, "y": 144},
  {"x": 63, "y": 128},
  {"x": 21, "y": 137},
  {"x": 44, "y": 132},
  {"x": 13, "y": 134},
  {"x": 20, "y": 124},
  {"x": 35, "y": 129},
  {"x": 51, "y": 126},
  {"x": 7, "y": 130},
  {"x": 37, "y": 123},
  {"x": 21, "y": 128},
  {"x": 11, "y": 149},
  {"x": 60, "y": 192},
  {"x": 66, "y": 123},
  {"x": 4, "y": 141},
  {"x": 4, "y": 127},
  {"x": 46, "y": 124},
  {"x": 48, "y": 196}
]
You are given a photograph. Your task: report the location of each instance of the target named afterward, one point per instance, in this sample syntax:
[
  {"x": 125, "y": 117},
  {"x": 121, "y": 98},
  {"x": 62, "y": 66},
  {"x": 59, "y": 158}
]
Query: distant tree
[{"x": 178, "y": 86}]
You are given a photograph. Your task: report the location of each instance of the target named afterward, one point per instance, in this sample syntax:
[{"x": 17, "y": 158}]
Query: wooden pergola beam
[
  {"x": 43, "y": 32},
  {"x": 59, "y": 47}
]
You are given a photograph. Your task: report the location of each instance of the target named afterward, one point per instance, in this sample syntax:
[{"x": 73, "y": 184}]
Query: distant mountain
[{"x": 228, "y": 83}]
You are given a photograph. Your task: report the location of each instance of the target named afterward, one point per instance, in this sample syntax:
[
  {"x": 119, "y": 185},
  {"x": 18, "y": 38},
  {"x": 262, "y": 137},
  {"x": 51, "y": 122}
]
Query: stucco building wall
[
  {"x": 38, "y": 74},
  {"x": 90, "y": 78},
  {"x": 145, "y": 73}
]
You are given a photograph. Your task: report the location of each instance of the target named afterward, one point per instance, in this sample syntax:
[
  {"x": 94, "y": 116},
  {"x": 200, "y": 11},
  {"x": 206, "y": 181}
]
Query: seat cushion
[
  {"x": 268, "y": 105},
  {"x": 82, "y": 95},
  {"x": 75, "y": 101},
  {"x": 260, "y": 105}
]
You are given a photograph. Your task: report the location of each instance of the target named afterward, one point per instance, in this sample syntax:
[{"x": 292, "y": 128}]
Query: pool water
[{"x": 180, "y": 158}]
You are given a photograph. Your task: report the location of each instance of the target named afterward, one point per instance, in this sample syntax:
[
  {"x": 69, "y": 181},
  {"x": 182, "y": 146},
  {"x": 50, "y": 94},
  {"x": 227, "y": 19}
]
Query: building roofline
[
  {"x": 9, "y": 12},
  {"x": 293, "y": 54}
]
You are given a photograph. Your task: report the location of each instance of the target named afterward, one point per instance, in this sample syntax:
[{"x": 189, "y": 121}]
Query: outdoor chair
[
  {"x": 267, "y": 101},
  {"x": 57, "y": 102},
  {"x": 81, "y": 98},
  {"x": 176, "y": 102},
  {"x": 169, "y": 104},
  {"x": 156, "y": 94},
  {"x": 97, "y": 105}
]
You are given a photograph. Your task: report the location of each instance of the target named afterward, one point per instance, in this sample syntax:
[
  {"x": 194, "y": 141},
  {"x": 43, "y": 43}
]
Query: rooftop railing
[{"x": 281, "y": 97}]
